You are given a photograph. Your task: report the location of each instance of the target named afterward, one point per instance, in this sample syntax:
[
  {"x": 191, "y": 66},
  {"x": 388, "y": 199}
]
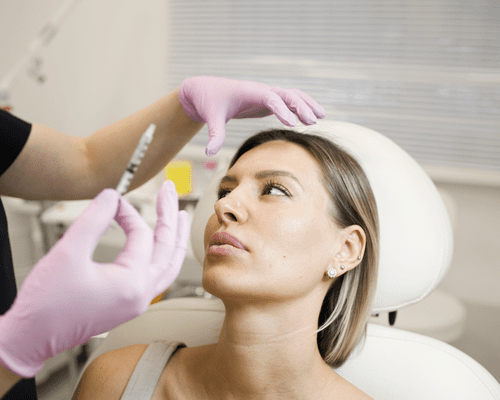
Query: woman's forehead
[
  {"x": 282, "y": 159},
  {"x": 278, "y": 155}
]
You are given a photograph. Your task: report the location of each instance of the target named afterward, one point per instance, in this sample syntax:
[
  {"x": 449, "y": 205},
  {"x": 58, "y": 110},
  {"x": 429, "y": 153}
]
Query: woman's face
[{"x": 273, "y": 202}]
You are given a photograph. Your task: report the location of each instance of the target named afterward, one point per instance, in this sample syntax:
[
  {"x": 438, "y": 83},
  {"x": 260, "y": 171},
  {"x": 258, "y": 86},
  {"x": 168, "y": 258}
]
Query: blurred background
[{"x": 426, "y": 74}]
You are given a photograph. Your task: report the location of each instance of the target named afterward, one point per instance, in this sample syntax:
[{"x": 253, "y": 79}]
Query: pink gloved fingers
[
  {"x": 167, "y": 203},
  {"x": 67, "y": 297},
  {"x": 139, "y": 244},
  {"x": 279, "y": 108},
  {"x": 167, "y": 206},
  {"x": 101, "y": 212},
  {"x": 168, "y": 276},
  {"x": 186, "y": 92},
  {"x": 50, "y": 297},
  {"x": 217, "y": 100},
  {"x": 317, "y": 109},
  {"x": 295, "y": 103},
  {"x": 216, "y": 135},
  {"x": 166, "y": 237}
]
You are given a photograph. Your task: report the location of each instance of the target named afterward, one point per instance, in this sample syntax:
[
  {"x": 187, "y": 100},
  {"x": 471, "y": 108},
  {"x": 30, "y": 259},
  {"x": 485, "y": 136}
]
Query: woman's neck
[{"x": 267, "y": 351}]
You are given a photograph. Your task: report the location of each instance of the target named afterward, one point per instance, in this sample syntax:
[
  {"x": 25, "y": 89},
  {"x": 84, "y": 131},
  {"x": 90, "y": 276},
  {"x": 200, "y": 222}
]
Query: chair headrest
[{"x": 416, "y": 240}]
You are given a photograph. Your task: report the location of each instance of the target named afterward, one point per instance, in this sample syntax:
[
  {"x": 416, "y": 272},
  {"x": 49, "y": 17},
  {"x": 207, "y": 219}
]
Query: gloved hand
[
  {"x": 68, "y": 298},
  {"x": 216, "y": 100}
]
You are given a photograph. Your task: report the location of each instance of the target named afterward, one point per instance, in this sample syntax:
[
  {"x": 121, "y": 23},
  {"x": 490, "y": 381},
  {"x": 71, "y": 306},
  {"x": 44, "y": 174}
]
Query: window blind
[{"x": 426, "y": 74}]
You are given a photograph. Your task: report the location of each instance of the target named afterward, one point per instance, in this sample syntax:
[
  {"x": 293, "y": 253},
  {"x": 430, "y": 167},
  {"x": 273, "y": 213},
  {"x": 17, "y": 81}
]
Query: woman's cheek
[
  {"x": 289, "y": 228},
  {"x": 210, "y": 229}
]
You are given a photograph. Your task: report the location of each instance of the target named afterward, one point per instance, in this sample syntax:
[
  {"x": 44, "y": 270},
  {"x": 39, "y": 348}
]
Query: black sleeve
[{"x": 14, "y": 133}]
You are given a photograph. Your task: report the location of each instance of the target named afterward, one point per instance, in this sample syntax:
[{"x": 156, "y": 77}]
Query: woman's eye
[
  {"x": 272, "y": 189},
  {"x": 222, "y": 193},
  {"x": 275, "y": 190}
]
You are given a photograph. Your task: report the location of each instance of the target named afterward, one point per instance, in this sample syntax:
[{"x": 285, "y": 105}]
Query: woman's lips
[
  {"x": 224, "y": 238},
  {"x": 223, "y": 250}
]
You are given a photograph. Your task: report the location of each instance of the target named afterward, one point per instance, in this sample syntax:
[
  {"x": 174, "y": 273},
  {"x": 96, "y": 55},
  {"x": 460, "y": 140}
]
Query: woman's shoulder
[
  {"x": 107, "y": 376},
  {"x": 346, "y": 390}
]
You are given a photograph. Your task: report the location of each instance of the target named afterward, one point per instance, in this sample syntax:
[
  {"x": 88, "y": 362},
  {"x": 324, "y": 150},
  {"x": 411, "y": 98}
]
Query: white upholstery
[
  {"x": 396, "y": 364},
  {"x": 393, "y": 364},
  {"x": 416, "y": 247},
  {"x": 440, "y": 315}
]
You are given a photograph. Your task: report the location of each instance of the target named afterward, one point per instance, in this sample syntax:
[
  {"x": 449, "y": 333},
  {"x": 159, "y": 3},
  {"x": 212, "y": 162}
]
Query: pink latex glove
[
  {"x": 216, "y": 100},
  {"x": 68, "y": 297}
]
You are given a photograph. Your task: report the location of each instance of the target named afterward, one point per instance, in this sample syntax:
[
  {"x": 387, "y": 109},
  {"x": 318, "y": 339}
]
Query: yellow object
[
  {"x": 157, "y": 299},
  {"x": 181, "y": 173}
]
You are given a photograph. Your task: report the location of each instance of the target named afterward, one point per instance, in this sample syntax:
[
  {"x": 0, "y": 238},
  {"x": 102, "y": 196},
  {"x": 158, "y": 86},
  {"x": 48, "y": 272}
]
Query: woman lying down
[{"x": 297, "y": 282}]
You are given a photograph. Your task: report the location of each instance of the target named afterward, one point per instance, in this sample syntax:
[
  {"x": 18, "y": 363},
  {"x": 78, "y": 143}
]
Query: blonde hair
[{"x": 348, "y": 303}]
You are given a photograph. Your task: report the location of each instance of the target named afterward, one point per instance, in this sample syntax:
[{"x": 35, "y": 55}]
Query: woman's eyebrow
[{"x": 262, "y": 175}]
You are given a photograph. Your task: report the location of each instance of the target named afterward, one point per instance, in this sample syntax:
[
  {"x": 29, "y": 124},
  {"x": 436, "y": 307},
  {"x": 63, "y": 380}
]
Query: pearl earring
[
  {"x": 332, "y": 272},
  {"x": 359, "y": 257},
  {"x": 342, "y": 267}
]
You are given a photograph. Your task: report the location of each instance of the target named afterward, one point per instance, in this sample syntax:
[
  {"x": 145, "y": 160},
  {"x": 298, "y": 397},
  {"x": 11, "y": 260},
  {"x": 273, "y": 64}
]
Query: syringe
[{"x": 135, "y": 160}]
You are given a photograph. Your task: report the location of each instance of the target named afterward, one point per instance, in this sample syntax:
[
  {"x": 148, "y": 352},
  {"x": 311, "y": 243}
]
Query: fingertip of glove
[
  {"x": 210, "y": 151},
  {"x": 291, "y": 120},
  {"x": 167, "y": 187},
  {"x": 110, "y": 197},
  {"x": 321, "y": 113},
  {"x": 310, "y": 119},
  {"x": 214, "y": 146},
  {"x": 109, "y": 192}
]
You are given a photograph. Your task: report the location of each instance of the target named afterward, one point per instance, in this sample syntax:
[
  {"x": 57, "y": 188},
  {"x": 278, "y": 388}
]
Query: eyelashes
[
  {"x": 273, "y": 185},
  {"x": 268, "y": 186},
  {"x": 221, "y": 193}
]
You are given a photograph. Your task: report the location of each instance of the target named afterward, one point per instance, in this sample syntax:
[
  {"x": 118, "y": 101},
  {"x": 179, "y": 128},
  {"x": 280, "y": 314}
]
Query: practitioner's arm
[
  {"x": 7, "y": 380},
  {"x": 53, "y": 165}
]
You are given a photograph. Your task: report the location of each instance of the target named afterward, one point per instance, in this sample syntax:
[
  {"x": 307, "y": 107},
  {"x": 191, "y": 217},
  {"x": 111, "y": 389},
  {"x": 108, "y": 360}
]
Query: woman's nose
[{"x": 230, "y": 209}]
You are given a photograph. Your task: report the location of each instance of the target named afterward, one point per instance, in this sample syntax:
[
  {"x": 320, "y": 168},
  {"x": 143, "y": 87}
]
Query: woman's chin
[
  {"x": 224, "y": 282},
  {"x": 238, "y": 290},
  {"x": 216, "y": 283}
]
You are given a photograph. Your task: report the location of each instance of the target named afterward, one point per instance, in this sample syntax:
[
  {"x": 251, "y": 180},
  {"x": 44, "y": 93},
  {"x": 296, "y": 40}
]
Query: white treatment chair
[{"x": 416, "y": 248}]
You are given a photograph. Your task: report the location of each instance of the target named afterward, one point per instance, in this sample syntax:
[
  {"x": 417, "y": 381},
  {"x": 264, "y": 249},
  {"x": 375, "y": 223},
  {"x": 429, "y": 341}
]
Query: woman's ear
[{"x": 351, "y": 253}]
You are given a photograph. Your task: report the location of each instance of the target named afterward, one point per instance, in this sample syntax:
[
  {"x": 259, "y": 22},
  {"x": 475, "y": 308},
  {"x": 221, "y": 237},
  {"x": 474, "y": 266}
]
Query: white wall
[
  {"x": 474, "y": 275},
  {"x": 108, "y": 60}
]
